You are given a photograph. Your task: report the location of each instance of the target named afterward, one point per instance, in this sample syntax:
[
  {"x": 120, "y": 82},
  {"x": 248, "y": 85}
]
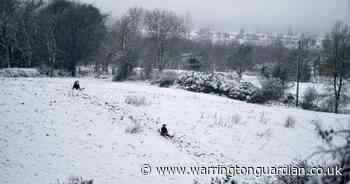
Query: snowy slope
[{"x": 48, "y": 133}]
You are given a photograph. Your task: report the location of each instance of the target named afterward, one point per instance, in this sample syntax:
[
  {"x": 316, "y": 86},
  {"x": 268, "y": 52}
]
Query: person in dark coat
[
  {"x": 76, "y": 85},
  {"x": 164, "y": 132}
]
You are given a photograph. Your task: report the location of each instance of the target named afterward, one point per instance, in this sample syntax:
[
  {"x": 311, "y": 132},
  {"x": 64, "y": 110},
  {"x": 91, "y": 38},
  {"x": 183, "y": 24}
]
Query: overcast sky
[{"x": 316, "y": 16}]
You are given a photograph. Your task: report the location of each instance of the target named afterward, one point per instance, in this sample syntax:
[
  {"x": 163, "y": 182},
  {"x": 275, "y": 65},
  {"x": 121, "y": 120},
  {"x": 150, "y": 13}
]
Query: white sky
[{"x": 253, "y": 15}]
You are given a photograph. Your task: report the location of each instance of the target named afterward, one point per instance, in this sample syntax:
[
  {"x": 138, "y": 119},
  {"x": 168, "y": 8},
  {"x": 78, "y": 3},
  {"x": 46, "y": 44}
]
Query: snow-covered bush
[
  {"x": 246, "y": 91},
  {"x": 206, "y": 82},
  {"x": 135, "y": 126},
  {"x": 310, "y": 99},
  {"x": 290, "y": 122},
  {"x": 217, "y": 83},
  {"x": 136, "y": 100},
  {"x": 272, "y": 89},
  {"x": 257, "y": 97},
  {"x": 227, "y": 122},
  {"x": 164, "y": 78},
  {"x": 263, "y": 119},
  {"x": 339, "y": 152},
  {"x": 265, "y": 133},
  {"x": 295, "y": 179},
  {"x": 19, "y": 72}
]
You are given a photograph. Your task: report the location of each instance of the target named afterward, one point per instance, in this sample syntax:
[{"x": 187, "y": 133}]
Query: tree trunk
[
  {"x": 336, "y": 105},
  {"x": 105, "y": 66},
  {"x": 240, "y": 73},
  {"x": 161, "y": 56},
  {"x": 298, "y": 82},
  {"x": 8, "y": 59},
  {"x": 30, "y": 58},
  {"x": 338, "y": 94},
  {"x": 51, "y": 47},
  {"x": 297, "y": 96},
  {"x": 53, "y": 62}
]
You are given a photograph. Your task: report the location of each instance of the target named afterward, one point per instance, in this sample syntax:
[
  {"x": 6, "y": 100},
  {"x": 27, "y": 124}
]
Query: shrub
[
  {"x": 265, "y": 133},
  {"x": 266, "y": 70},
  {"x": 136, "y": 100},
  {"x": 340, "y": 154},
  {"x": 228, "y": 122},
  {"x": 126, "y": 65},
  {"x": 290, "y": 122},
  {"x": 263, "y": 119},
  {"x": 219, "y": 84},
  {"x": 295, "y": 179},
  {"x": 272, "y": 89},
  {"x": 245, "y": 91},
  {"x": 205, "y": 82},
  {"x": 257, "y": 97},
  {"x": 309, "y": 99},
  {"x": 135, "y": 127},
  {"x": 123, "y": 72},
  {"x": 282, "y": 72}
]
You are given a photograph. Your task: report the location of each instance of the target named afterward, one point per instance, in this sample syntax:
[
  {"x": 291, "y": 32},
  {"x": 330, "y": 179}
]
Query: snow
[{"x": 48, "y": 132}]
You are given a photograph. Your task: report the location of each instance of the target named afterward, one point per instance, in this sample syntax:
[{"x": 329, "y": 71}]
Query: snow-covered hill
[{"x": 48, "y": 132}]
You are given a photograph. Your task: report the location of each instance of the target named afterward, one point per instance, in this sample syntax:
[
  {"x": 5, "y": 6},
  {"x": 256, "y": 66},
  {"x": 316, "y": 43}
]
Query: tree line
[{"x": 55, "y": 35}]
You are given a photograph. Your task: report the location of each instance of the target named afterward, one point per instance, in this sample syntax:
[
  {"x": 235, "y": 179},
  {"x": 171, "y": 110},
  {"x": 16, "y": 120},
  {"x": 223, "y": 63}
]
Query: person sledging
[
  {"x": 76, "y": 86},
  {"x": 164, "y": 132}
]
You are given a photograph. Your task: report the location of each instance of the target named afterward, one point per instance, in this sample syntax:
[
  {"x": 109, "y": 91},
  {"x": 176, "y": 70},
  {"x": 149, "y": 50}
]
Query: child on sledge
[{"x": 164, "y": 132}]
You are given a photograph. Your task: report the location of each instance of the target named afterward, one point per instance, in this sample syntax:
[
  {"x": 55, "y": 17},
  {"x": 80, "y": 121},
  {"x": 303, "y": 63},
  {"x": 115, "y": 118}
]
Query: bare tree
[
  {"x": 8, "y": 9},
  {"x": 28, "y": 27},
  {"x": 49, "y": 26},
  {"x": 128, "y": 28},
  {"x": 51, "y": 43},
  {"x": 303, "y": 46},
  {"x": 188, "y": 22},
  {"x": 281, "y": 70},
  {"x": 126, "y": 35},
  {"x": 336, "y": 60},
  {"x": 241, "y": 59},
  {"x": 163, "y": 26}
]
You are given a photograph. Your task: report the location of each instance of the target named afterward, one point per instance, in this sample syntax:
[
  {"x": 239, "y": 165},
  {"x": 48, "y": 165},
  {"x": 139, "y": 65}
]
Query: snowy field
[{"x": 47, "y": 132}]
